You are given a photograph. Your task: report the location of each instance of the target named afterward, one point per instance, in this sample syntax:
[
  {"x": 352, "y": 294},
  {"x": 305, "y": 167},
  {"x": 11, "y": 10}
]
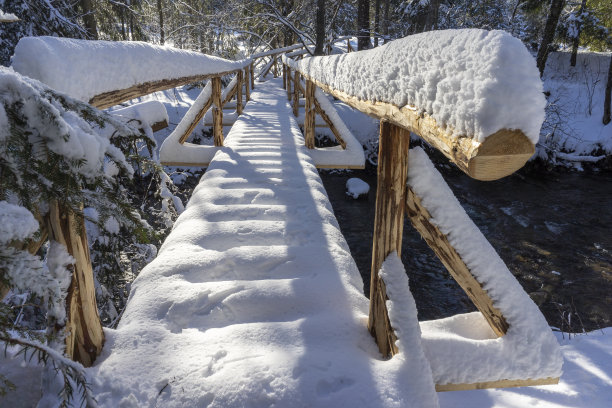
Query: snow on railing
[
  {"x": 106, "y": 73},
  {"x": 475, "y": 95}
]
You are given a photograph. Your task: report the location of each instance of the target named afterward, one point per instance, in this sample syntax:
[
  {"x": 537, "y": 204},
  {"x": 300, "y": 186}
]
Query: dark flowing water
[{"x": 553, "y": 230}]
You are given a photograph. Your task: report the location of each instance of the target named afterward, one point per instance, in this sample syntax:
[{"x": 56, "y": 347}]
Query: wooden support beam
[
  {"x": 252, "y": 73},
  {"x": 296, "y": 92},
  {"x": 284, "y": 76},
  {"x": 388, "y": 226},
  {"x": 197, "y": 118},
  {"x": 247, "y": 83},
  {"x": 438, "y": 242},
  {"x": 84, "y": 335},
  {"x": 217, "y": 111},
  {"x": 309, "y": 117},
  {"x": 329, "y": 122},
  {"x": 239, "y": 84},
  {"x": 500, "y": 155},
  {"x": 288, "y": 83},
  {"x": 112, "y": 98},
  {"x": 497, "y": 384}
]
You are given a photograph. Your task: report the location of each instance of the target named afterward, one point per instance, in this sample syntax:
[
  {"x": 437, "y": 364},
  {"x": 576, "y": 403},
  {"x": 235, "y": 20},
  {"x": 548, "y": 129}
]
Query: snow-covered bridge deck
[{"x": 254, "y": 298}]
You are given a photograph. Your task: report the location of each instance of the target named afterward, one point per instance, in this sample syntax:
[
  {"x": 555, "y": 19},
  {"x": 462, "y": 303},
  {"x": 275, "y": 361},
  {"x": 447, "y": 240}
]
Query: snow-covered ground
[{"x": 573, "y": 128}]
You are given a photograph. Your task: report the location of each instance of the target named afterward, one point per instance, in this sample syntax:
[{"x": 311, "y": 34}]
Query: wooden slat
[
  {"x": 309, "y": 117},
  {"x": 252, "y": 73},
  {"x": 497, "y": 384},
  {"x": 112, "y": 98},
  {"x": 157, "y": 126},
  {"x": 388, "y": 225},
  {"x": 217, "y": 111},
  {"x": 438, "y": 242},
  {"x": 501, "y": 154},
  {"x": 289, "y": 81},
  {"x": 329, "y": 122}
]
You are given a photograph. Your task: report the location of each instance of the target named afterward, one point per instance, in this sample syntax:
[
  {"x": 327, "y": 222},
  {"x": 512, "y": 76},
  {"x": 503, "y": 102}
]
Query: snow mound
[
  {"x": 84, "y": 69},
  {"x": 475, "y": 81},
  {"x": 463, "y": 348},
  {"x": 356, "y": 187},
  {"x": 16, "y": 222},
  {"x": 149, "y": 112}
]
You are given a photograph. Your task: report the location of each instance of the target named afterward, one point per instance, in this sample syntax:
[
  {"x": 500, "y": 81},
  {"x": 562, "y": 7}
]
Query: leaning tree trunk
[
  {"x": 576, "y": 40},
  {"x": 363, "y": 25},
  {"x": 89, "y": 19},
  {"x": 549, "y": 33},
  {"x": 606, "y": 115},
  {"x": 320, "y": 28}
]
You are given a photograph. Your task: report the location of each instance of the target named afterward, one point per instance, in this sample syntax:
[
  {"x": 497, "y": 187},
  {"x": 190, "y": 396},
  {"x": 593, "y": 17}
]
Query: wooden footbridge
[{"x": 256, "y": 280}]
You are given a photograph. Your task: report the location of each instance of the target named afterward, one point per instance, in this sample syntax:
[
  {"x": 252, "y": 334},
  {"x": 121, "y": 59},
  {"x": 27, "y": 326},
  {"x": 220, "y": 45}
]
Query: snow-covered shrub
[{"x": 56, "y": 149}]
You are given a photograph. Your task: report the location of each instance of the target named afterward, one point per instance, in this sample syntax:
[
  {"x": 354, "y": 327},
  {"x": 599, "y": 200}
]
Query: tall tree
[
  {"x": 160, "y": 13},
  {"x": 556, "y": 7},
  {"x": 363, "y": 25},
  {"x": 606, "y": 115},
  {"x": 575, "y": 34},
  {"x": 320, "y": 27},
  {"x": 89, "y": 19},
  {"x": 376, "y": 21}
]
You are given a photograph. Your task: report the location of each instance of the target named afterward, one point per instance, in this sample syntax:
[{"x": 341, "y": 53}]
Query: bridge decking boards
[{"x": 254, "y": 298}]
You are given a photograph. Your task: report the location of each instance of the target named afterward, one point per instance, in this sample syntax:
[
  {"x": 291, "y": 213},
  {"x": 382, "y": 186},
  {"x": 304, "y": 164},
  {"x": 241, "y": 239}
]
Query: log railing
[{"x": 499, "y": 155}]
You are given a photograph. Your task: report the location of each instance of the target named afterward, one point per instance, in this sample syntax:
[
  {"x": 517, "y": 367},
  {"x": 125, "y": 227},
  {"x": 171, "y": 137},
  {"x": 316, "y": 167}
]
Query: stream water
[{"x": 553, "y": 230}]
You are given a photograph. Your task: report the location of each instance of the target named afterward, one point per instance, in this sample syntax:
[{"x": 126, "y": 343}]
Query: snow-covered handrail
[
  {"x": 106, "y": 73},
  {"x": 475, "y": 95}
]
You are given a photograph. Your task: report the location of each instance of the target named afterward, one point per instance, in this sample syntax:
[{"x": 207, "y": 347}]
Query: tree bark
[
  {"x": 320, "y": 28},
  {"x": 385, "y": 24},
  {"x": 376, "y": 22},
  {"x": 363, "y": 25},
  {"x": 89, "y": 19},
  {"x": 431, "y": 22},
  {"x": 549, "y": 33},
  {"x": 160, "y": 11},
  {"x": 606, "y": 115},
  {"x": 576, "y": 40}
]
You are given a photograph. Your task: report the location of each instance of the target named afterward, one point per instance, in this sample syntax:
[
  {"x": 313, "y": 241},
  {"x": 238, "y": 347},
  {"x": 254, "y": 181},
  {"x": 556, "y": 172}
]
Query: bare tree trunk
[
  {"x": 160, "y": 11},
  {"x": 385, "y": 25},
  {"x": 89, "y": 19},
  {"x": 549, "y": 33},
  {"x": 431, "y": 23},
  {"x": 376, "y": 22},
  {"x": 606, "y": 115},
  {"x": 122, "y": 15},
  {"x": 363, "y": 25},
  {"x": 320, "y": 28},
  {"x": 576, "y": 40}
]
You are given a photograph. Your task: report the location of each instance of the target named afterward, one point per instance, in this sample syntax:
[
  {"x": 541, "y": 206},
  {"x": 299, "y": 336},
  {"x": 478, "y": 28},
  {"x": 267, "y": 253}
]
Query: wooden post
[
  {"x": 288, "y": 83},
  {"x": 84, "y": 335},
  {"x": 309, "y": 118},
  {"x": 388, "y": 225},
  {"x": 252, "y": 72},
  {"x": 247, "y": 83},
  {"x": 217, "y": 111},
  {"x": 296, "y": 93},
  {"x": 284, "y": 77},
  {"x": 239, "y": 93}
]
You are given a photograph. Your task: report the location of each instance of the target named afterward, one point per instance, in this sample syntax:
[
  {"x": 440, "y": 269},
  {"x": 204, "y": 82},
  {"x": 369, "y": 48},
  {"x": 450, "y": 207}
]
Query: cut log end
[{"x": 500, "y": 155}]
